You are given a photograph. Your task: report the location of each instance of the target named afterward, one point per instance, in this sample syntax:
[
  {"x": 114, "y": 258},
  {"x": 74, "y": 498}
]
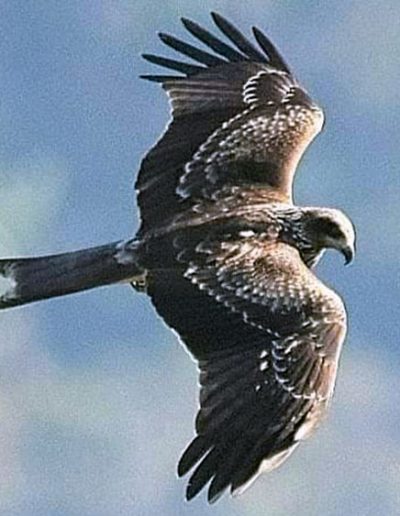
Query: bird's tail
[{"x": 31, "y": 279}]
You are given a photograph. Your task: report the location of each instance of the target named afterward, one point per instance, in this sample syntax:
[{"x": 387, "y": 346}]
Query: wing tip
[
  {"x": 163, "y": 36},
  {"x": 190, "y": 25},
  {"x": 186, "y": 21},
  {"x": 270, "y": 50},
  {"x": 219, "y": 20},
  {"x": 239, "y": 49},
  {"x": 182, "y": 469},
  {"x": 159, "y": 78},
  {"x": 216, "y": 16}
]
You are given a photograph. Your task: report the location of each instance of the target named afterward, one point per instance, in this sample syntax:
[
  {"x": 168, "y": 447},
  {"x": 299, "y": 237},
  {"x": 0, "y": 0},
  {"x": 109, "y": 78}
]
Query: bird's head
[{"x": 330, "y": 228}]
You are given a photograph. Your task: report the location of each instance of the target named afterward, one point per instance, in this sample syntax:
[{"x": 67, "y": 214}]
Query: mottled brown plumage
[
  {"x": 215, "y": 195},
  {"x": 225, "y": 256}
]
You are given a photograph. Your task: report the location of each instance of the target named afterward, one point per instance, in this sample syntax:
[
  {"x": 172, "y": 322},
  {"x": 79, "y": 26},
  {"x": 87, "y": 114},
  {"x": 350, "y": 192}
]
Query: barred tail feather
[{"x": 32, "y": 279}]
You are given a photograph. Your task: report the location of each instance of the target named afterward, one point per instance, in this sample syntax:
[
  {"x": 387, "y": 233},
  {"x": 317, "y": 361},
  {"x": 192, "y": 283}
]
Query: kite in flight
[{"x": 225, "y": 256}]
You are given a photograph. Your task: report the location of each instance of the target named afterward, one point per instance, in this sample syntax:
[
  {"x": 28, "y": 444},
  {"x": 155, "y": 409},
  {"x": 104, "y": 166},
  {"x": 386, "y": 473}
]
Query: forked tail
[{"x": 31, "y": 279}]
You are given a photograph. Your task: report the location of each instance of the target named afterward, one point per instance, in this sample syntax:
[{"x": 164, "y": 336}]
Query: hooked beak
[{"x": 348, "y": 253}]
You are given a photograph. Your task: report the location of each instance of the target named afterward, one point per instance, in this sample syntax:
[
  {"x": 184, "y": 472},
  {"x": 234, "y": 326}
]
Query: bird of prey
[{"x": 225, "y": 256}]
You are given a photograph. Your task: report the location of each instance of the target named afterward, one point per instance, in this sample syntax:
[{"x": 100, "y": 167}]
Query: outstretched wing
[
  {"x": 240, "y": 123},
  {"x": 267, "y": 336}
]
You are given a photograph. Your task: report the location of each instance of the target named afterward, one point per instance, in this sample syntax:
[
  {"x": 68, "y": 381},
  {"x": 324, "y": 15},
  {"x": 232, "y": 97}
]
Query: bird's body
[{"x": 226, "y": 257}]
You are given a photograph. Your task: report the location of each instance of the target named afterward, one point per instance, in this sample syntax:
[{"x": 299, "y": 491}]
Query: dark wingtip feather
[
  {"x": 189, "y": 50},
  {"x": 183, "y": 467},
  {"x": 186, "y": 22},
  {"x": 212, "y": 41},
  {"x": 164, "y": 37},
  {"x": 169, "y": 40},
  {"x": 237, "y": 38},
  {"x": 190, "y": 25},
  {"x": 275, "y": 58},
  {"x": 196, "y": 449},
  {"x": 191, "y": 492},
  {"x": 160, "y": 78},
  {"x": 172, "y": 64},
  {"x": 215, "y": 16},
  {"x": 241, "y": 49},
  {"x": 202, "y": 474},
  {"x": 216, "y": 490}
]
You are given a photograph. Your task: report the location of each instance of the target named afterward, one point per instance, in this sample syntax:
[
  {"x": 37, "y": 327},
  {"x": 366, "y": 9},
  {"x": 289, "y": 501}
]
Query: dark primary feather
[
  {"x": 159, "y": 78},
  {"x": 173, "y": 64},
  {"x": 211, "y": 41},
  {"x": 275, "y": 58},
  {"x": 238, "y": 39},
  {"x": 190, "y": 51},
  {"x": 269, "y": 55}
]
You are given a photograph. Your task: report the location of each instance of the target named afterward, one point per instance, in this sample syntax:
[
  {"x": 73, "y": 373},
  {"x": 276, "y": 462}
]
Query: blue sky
[{"x": 97, "y": 398}]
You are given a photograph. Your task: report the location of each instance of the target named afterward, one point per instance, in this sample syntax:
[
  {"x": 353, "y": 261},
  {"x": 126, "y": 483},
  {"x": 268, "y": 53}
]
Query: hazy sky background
[{"x": 97, "y": 398}]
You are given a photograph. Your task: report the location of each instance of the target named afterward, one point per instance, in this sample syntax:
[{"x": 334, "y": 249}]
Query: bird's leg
[{"x": 139, "y": 283}]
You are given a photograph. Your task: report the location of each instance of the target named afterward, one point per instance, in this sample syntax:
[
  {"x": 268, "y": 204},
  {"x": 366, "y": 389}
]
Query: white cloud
[{"x": 31, "y": 193}]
